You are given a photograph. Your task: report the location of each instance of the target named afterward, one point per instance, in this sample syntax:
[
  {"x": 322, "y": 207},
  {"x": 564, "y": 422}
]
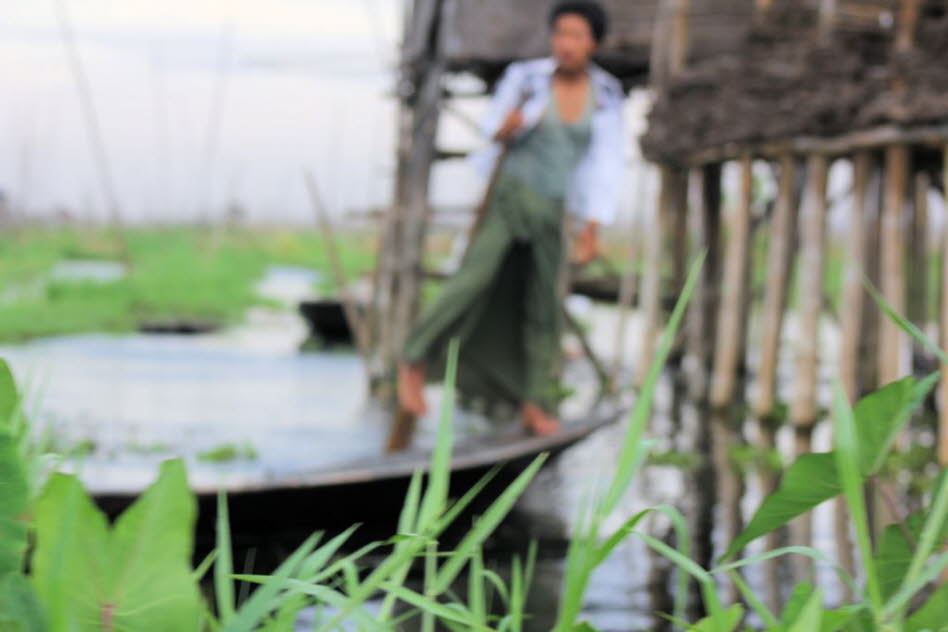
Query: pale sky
[{"x": 305, "y": 85}]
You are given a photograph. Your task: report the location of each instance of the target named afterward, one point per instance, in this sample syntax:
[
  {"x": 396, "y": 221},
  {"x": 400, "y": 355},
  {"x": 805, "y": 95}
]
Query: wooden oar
[
  {"x": 495, "y": 172},
  {"x": 349, "y": 307}
]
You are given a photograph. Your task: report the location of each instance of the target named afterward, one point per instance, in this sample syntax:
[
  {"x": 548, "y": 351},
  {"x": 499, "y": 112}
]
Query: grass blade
[
  {"x": 224, "y": 566},
  {"x": 846, "y": 453}
]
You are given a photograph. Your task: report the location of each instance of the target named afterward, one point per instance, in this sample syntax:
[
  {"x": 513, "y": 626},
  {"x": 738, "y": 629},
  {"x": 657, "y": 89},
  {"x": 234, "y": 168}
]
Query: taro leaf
[
  {"x": 151, "y": 548},
  {"x": 811, "y": 480},
  {"x": 136, "y": 577},
  {"x": 894, "y": 553},
  {"x": 71, "y": 557},
  {"x": 9, "y": 397},
  {"x": 14, "y": 494},
  {"x": 933, "y": 616},
  {"x": 882, "y": 414},
  {"x": 19, "y": 608}
]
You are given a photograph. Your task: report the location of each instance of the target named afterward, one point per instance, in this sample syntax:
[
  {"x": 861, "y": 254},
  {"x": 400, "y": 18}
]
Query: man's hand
[
  {"x": 511, "y": 125},
  {"x": 587, "y": 244}
]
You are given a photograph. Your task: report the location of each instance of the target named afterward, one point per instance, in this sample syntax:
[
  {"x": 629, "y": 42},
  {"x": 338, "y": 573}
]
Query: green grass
[{"x": 175, "y": 273}]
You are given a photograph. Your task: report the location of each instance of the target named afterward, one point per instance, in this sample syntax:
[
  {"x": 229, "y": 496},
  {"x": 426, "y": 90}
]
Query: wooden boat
[{"x": 370, "y": 492}]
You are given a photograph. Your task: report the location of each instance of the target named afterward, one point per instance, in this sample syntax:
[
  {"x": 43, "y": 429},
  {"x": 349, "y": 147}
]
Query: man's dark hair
[{"x": 591, "y": 11}]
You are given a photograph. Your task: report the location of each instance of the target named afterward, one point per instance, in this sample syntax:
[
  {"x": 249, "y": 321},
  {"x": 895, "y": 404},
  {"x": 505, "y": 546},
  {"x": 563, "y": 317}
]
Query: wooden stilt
[
  {"x": 351, "y": 310},
  {"x": 803, "y": 410},
  {"x": 892, "y": 342},
  {"x": 730, "y": 329}
]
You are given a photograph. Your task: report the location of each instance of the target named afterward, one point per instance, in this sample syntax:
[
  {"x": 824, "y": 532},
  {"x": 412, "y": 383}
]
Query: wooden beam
[
  {"x": 783, "y": 228},
  {"x": 730, "y": 326}
]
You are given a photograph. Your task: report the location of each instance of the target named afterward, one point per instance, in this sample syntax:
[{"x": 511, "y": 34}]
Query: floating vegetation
[{"x": 229, "y": 452}]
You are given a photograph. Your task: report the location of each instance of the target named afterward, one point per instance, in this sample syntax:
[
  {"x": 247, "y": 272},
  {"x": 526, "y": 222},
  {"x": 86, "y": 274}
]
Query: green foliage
[{"x": 228, "y": 452}]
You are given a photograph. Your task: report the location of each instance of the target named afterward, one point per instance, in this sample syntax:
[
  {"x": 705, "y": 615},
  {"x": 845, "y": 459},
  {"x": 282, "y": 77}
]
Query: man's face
[{"x": 572, "y": 42}]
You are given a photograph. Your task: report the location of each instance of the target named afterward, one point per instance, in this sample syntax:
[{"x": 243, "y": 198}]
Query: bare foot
[
  {"x": 538, "y": 422},
  {"x": 411, "y": 389}
]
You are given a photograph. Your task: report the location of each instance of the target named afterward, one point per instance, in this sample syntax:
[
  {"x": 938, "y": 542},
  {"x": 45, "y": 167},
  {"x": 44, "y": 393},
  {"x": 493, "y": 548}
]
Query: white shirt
[{"x": 593, "y": 191}]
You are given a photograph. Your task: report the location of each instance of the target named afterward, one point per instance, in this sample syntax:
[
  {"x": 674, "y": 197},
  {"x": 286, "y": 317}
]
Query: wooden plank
[
  {"x": 779, "y": 251},
  {"x": 730, "y": 326}
]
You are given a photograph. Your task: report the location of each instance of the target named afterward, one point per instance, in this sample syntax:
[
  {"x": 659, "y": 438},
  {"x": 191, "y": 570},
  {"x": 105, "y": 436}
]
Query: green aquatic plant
[{"x": 228, "y": 453}]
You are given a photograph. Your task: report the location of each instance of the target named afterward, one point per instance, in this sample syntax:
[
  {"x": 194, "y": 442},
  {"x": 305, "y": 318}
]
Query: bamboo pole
[
  {"x": 803, "y": 410},
  {"x": 943, "y": 407},
  {"x": 730, "y": 328},
  {"x": 892, "y": 342},
  {"x": 775, "y": 294},
  {"x": 851, "y": 325},
  {"x": 917, "y": 279},
  {"x": 349, "y": 306},
  {"x": 854, "y": 271},
  {"x": 680, "y": 35},
  {"x": 703, "y": 215},
  {"x": 779, "y": 255},
  {"x": 908, "y": 21},
  {"x": 92, "y": 123}
]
